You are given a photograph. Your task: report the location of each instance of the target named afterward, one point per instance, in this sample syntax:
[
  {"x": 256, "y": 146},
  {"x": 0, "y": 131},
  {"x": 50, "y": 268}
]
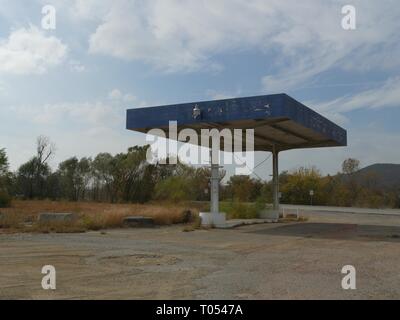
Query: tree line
[
  {"x": 128, "y": 177},
  {"x": 124, "y": 177}
]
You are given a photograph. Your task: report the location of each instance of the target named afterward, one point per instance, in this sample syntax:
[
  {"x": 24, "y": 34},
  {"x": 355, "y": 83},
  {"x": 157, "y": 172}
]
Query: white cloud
[
  {"x": 387, "y": 95},
  {"x": 76, "y": 66},
  {"x": 117, "y": 95},
  {"x": 88, "y": 9},
  {"x": 314, "y": 42},
  {"x": 81, "y": 129},
  {"x": 83, "y": 114},
  {"x": 301, "y": 39},
  {"x": 102, "y": 113},
  {"x": 129, "y": 98},
  {"x": 369, "y": 146},
  {"x": 218, "y": 95},
  {"x": 184, "y": 35},
  {"x": 29, "y": 50}
]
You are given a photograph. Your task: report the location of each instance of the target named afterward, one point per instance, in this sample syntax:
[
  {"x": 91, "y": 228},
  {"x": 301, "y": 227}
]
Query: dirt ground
[{"x": 268, "y": 261}]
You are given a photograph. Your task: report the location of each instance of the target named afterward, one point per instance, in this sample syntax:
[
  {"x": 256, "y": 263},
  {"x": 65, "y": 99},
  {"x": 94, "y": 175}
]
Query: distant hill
[{"x": 385, "y": 175}]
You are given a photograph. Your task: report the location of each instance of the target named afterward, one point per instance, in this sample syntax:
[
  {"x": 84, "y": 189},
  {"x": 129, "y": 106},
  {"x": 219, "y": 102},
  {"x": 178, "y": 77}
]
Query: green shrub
[
  {"x": 241, "y": 210},
  {"x": 5, "y": 199},
  {"x": 175, "y": 189}
]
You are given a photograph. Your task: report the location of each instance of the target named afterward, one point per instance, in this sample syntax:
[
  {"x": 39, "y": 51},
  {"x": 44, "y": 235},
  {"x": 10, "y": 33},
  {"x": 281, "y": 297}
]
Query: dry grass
[{"x": 90, "y": 216}]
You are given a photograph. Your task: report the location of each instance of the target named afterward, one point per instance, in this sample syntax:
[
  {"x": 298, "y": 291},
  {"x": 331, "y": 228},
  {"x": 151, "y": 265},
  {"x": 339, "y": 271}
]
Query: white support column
[
  {"x": 213, "y": 218},
  {"x": 214, "y": 188}
]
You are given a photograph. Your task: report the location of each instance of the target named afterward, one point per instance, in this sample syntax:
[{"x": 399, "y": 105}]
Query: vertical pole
[
  {"x": 275, "y": 179},
  {"x": 214, "y": 186}
]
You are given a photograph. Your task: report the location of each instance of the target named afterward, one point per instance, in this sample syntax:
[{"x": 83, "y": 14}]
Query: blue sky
[{"x": 74, "y": 83}]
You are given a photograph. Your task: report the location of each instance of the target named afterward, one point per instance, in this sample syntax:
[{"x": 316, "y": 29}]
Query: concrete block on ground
[
  {"x": 56, "y": 217},
  {"x": 138, "y": 222}
]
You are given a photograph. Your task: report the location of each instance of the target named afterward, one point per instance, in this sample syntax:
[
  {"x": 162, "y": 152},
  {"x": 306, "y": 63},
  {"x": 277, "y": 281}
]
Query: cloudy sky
[{"x": 74, "y": 83}]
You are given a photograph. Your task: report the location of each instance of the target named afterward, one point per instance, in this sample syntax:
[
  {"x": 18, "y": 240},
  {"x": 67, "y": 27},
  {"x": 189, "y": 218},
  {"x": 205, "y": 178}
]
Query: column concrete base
[
  {"x": 209, "y": 219},
  {"x": 269, "y": 214}
]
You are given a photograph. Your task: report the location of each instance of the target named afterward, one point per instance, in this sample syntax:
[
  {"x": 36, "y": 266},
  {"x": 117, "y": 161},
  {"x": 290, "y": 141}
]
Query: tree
[
  {"x": 45, "y": 149},
  {"x": 244, "y": 188},
  {"x": 5, "y": 199},
  {"x": 200, "y": 182},
  {"x": 183, "y": 182},
  {"x": 3, "y": 162},
  {"x": 134, "y": 176},
  {"x": 350, "y": 166},
  {"x": 299, "y": 183},
  {"x": 174, "y": 188},
  {"x": 74, "y": 177},
  {"x": 32, "y": 176},
  {"x": 103, "y": 167}
]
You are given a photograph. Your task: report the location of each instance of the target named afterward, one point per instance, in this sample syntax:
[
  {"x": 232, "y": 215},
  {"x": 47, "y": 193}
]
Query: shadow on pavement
[{"x": 335, "y": 231}]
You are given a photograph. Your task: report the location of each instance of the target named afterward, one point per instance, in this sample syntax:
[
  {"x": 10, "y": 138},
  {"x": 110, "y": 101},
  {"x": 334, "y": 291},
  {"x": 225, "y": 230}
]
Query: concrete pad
[
  {"x": 56, "y": 217},
  {"x": 138, "y": 222}
]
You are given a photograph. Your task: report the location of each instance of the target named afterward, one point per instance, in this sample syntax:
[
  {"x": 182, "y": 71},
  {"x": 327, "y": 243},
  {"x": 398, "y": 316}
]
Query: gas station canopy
[
  {"x": 280, "y": 123},
  {"x": 278, "y": 120}
]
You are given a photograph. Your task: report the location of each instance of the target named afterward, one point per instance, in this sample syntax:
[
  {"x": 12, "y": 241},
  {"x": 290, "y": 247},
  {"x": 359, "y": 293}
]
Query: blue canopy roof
[{"x": 278, "y": 120}]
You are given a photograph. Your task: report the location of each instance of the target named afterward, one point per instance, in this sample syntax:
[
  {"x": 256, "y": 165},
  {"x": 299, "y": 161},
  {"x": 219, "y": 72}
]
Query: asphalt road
[{"x": 326, "y": 209}]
